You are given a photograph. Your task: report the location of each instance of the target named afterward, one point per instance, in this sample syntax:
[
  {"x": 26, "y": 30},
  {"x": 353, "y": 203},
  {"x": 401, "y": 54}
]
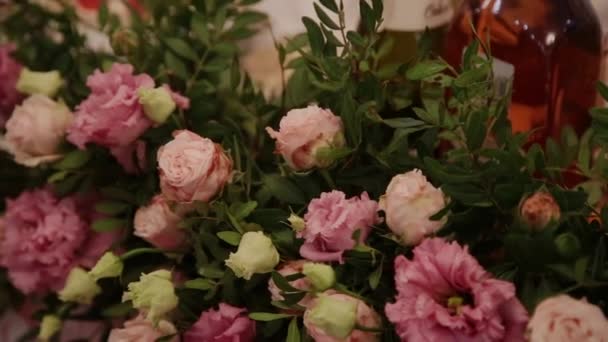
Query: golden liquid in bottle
[{"x": 556, "y": 49}]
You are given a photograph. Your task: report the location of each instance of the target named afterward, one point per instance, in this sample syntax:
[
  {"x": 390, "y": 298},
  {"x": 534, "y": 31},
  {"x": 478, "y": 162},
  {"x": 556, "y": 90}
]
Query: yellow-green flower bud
[
  {"x": 157, "y": 102},
  {"x": 321, "y": 276},
  {"x": 568, "y": 245},
  {"x": 256, "y": 254},
  {"x": 153, "y": 293},
  {"x": 44, "y": 83},
  {"x": 79, "y": 287},
  {"x": 296, "y": 222},
  {"x": 336, "y": 317},
  {"x": 108, "y": 266},
  {"x": 49, "y": 326}
]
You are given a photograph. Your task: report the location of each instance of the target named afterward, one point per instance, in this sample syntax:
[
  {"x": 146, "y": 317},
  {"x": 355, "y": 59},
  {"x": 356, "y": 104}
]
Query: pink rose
[
  {"x": 538, "y": 210},
  {"x": 443, "y": 294},
  {"x": 140, "y": 329},
  {"x": 112, "y": 116},
  {"x": 228, "y": 324},
  {"x": 287, "y": 269},
  {"x": 332, "y": 220},
  {"x": 35, "y": 130},
  {"x": 335, "y": 319},
  {"x": 563, "y": 319},
  {"x": 409, "y": 203},
  {"x": 10, "y": 70},
  {"x": 45, "y": 237},
  {"x": 302, "y": 132},
  {"x": 192, "y": 168},
  {"x": 158, "y": 224}
]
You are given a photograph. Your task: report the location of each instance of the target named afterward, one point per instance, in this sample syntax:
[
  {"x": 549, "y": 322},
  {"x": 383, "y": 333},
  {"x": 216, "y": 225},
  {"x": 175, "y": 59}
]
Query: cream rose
[
  {"x": 409, "y": 203},
  {"x": 192, "y": 168},
  {"x": 303, "y": 133},
  {"x": 563, "y": 318},
  {"x": 35, "y": 130}
]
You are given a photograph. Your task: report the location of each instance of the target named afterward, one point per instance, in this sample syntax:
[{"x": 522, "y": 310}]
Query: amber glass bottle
[{"x": 555, "y": 50}]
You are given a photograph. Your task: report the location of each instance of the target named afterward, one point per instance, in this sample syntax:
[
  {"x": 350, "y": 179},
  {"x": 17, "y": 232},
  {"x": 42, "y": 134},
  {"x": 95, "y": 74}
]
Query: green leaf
[
  {"x": 284, "y": 189},
  {"x": 282, "y": 283},
  {"x": 74, "y": 160},
  {"x": 425, "y": 69},
  {"x": 199, "y": 27},
  {"x": 404, "y": 123},
  {"x": 230, "y": 237},
  {"x": 58, "y": 176},
  {"x": 199, "y": 284},
  {"x": 108, "y": 224},
  {"x": 181, "y": 48},
  {"x": 103, "y": 14},
  {"x": 117, "y": 310},
  {"x": 267, "y": 316},
  {"x": 374, "y": 277},
  {"x": 293, "y": 332},
  {"x": 475, "y": 130},
  {"x": 211, "y": 271},
  {"x": 242, "y": 210},
  {"x": 176, "y": 66},
  {"x": 580, "y": 269},
  {"x": 325, "y": 19},
  {"x": 111, "y": 207},
  {"x": 602, "y": 88},
  {"x": 367, "y": 16},
  {"x": 315, "y": 36},
  {"x": 330, "y": 5}
]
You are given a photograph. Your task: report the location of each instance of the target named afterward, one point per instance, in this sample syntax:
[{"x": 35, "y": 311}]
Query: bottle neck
[{"x": 416, "y": 16}]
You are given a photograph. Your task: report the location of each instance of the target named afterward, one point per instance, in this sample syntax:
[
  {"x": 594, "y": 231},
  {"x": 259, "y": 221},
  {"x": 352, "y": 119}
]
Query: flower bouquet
[{"x": 153, "y": 193}]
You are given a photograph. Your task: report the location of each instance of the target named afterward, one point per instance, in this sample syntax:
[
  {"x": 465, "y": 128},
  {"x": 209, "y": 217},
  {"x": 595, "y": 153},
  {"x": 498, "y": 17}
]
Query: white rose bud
[
  {"x": 255, "y": 254},
  {"x": 80, "y": 287},
  {"x": 158, "y": 103},
  {"x": 108, "y": 266},
  {"x": 44, "y": 83},
  {"x": 332, "y": 315},
  {"x": 49, "y": 326},
  {"x": 409, "y": 203},
  {"x": 153, "y": 293},
  {"x": 321, "y": 276}
]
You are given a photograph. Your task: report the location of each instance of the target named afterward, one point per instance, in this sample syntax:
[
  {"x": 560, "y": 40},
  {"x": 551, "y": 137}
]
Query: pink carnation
[
  {"x": 563, "y": 319},
  {"x": 228, "y": 324},
  {"x": 158, "y": 224},
  {"x": 287, "y": 269},
  {"x": 44, "y": 237},
  {"x": 332, "y": 220},
  {"x": 140, "y": 329},
  {"x": 112, "y": 116},
  {"x": 445, "y": 295},
  {"x": 10, "y": 70},
  {"x": 302, "y": 132}
]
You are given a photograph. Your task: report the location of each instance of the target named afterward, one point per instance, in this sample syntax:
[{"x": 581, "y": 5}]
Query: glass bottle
[
  {"x": 406, "y": 20},
  {"x": 601, "y": 7},
  {"x": 554, "y": 48}
]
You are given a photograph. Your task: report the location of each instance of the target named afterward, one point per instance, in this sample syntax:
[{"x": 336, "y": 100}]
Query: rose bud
[
  {"x": 36, "y": 130},
  {"x": 42, "y": 83},
  {"x": 321, "y": 276},
  {"x": 539, "y": 210},
  {"x": 334, "y": 317},
  {"x": 153, "y": 293},
  {"x": 49, "y": 326},
  {"x": 563, "y": 318},
  {"x": 567, "y": 245},
  {"x": 80, "y": 287},
  {"x": 157, "y": 102},
  {"x": 255, "y": 254},
  {"x": 409, "y": 203},
  {"x": 305, "y": 132},
  {"x": 108, "y": 266}
]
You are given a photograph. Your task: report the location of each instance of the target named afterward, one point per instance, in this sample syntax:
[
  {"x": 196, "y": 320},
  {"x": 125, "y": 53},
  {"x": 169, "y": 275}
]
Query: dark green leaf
[
  {"x": 176, "y": 66},
  {"x": 74, "y": 160},
  {"x": 267, "y": 316},
  {"x": 425, "y": 69},
  {"x": 325, "y": 19},
  {"x": 111, "y": 208},
  {"x": 199, "y": 284},
  {"x": 108, "y": 224},
  {"x": 330, "y": 5},
  {"x": 230, "y": 237},
  {"x": 315, "y": 36},
  {"x": 293, "y": 332},
  {"x": 284, "y": 189},
  {"x": 181, "y": 48}
]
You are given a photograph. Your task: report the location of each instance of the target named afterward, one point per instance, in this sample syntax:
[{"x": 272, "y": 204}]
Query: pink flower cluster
[
  {"x": 44, "y": 237},
  {"x": 10, "y": 70},
  {"x": 445, "y": 295},
  {"x": 112, "y": 116},
  {"x": 331, "y": 221},
  {"x": 227, "y": 324}
]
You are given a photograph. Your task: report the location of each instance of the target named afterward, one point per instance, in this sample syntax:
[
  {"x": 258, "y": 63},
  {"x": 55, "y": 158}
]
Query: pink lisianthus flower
[
  {"x": 10, "y": 70},
  {"x": 112, "y": 115},
  {"x": 331, "y": 221},
  {"x": 227, "y": 324},
  {"x": 443, "y": 294},
  {"x": 45, "y": 237},
  {"x": 287, "y": 269}
]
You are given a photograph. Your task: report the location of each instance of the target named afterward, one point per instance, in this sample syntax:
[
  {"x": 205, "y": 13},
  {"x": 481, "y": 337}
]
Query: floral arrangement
[{"x": 153, "y": 193}]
